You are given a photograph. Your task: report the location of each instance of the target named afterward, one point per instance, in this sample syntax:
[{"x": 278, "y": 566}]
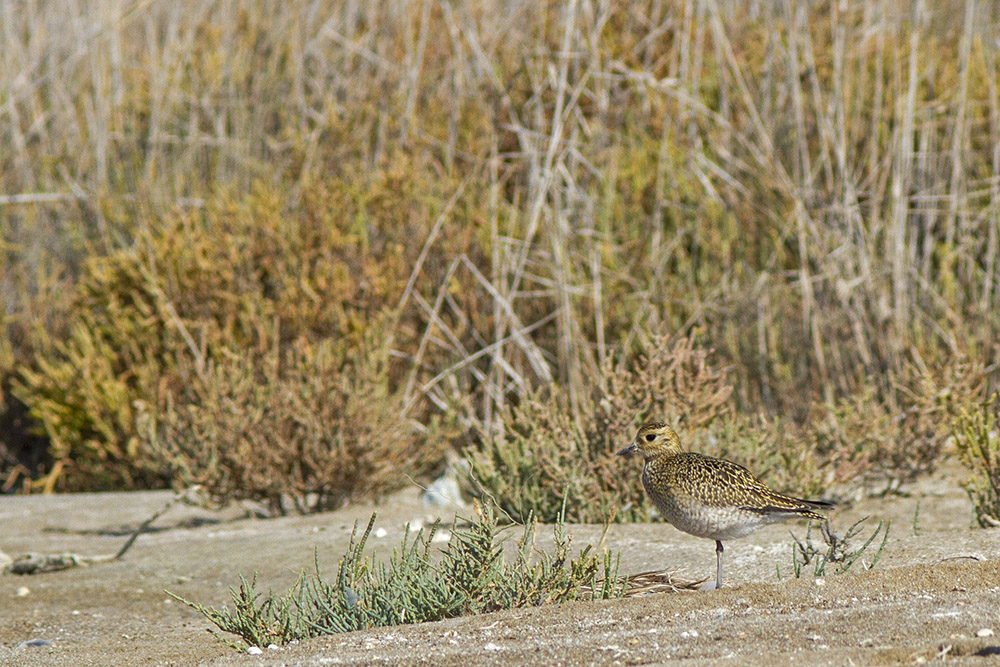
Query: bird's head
[{"x": 653, "y": 439}]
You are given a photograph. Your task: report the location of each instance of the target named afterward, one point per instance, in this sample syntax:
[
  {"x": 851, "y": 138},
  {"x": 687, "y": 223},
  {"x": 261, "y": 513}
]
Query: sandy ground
[{"x": 935, "y": 594}]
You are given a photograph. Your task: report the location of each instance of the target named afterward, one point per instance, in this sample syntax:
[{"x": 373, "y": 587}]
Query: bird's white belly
[{"x": 716, "y": 523}]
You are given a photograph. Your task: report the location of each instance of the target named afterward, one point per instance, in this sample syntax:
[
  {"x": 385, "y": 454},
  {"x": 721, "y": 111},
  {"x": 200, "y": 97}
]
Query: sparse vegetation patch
[
  {"x": 469, "y": 576},
  {"x": 836, "y": 554}
]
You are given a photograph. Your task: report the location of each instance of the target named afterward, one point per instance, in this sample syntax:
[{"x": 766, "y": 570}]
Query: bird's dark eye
[{"x": 650, "y": 437}]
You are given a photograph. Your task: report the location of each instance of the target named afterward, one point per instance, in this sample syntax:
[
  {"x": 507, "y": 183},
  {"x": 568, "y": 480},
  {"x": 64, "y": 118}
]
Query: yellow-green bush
[
  {"x": 979, "y": 445},
  {"x": 246, "y": 278}
]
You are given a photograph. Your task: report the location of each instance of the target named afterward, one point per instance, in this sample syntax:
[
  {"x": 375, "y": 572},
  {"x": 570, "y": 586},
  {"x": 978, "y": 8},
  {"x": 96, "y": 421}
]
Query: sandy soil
[{"x": 934, "y": 595}]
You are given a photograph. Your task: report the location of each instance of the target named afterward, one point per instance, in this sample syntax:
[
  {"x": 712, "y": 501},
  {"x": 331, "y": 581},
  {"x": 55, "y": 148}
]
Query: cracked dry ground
[{"x": 934, "y": 595}]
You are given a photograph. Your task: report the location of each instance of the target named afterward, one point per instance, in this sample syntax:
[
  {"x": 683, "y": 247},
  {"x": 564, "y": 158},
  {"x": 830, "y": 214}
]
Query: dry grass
[{"x": 814, "y": 189}]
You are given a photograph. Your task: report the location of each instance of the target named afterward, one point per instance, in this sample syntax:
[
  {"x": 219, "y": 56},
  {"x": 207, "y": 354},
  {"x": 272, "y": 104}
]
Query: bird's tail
[
  {"x": 815, "y": 504},
  {"x": 807, "y": 508},
  {"x": 788, "y": 506}
]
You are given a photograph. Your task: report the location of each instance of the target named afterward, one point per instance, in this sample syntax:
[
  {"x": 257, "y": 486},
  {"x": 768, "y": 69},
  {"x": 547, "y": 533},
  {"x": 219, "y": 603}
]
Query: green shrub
[
  {"x": 81, "y": 392},
  {"x": 861, "y": 435},
  {"x": 545, "y": 453},
  {"x": 471, "y": 576},
  {"x": 979, "y": 446}
]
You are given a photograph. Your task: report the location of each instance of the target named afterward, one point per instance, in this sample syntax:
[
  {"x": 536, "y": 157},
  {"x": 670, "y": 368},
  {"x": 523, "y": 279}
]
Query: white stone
[{"x": 444, "y": 491}]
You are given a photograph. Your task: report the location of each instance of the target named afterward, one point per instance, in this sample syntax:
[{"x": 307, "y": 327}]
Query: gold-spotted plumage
[{"x": 709, "y": 497}]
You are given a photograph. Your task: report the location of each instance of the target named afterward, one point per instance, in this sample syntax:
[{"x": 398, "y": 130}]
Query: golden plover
[{"x": 709, "y": 497}]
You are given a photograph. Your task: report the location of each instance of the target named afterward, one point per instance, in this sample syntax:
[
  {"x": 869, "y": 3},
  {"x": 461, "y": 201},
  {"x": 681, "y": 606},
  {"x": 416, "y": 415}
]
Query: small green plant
[
  {"x": 979, "y": 445},
  {"x": 470, "y": 576},
  {"x": 836, "y": 550}
]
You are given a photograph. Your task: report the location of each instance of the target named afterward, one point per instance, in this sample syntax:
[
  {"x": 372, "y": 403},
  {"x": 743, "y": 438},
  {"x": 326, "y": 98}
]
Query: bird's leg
[
  {"x": 708, "y": 585},
  {"x": 718, "y": 565}
]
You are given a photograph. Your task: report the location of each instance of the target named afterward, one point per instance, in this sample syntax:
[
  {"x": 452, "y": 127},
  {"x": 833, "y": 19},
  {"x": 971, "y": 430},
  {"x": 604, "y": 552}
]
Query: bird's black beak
[{"x": 628, "y": 451}]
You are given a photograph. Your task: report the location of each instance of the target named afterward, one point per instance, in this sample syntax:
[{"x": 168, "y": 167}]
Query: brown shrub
[
  {"x": 545, "y": 454},
  {"x": 861, "y": 435},
  {"x": 311, "y": 428}
]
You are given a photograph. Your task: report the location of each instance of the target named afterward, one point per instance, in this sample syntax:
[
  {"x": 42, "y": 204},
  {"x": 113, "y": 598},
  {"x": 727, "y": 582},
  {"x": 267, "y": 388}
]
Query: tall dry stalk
[{"x": 812, "y": 189}]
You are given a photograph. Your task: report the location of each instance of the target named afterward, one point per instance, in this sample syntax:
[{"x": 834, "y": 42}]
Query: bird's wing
[
  {"x": 722, "y": 483},
  {"x": 714, "y": 482}
]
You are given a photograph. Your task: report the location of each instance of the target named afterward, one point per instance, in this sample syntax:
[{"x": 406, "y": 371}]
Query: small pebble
[
  {"x": 272, "y": 647},
  {"x": 819, "y": 582},
  {"x": 491, "y": 647},
  {"x": 381, "y": 532},
  {"x": 33, "y": 643},
  {"x": 985, "y": 632},
  {"x": 254, "y": 650},
  {"x": 23, "y": 591}
]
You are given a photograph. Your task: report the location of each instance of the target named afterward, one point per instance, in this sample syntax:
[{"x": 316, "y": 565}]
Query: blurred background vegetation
[{"x": 304, "y": 252}]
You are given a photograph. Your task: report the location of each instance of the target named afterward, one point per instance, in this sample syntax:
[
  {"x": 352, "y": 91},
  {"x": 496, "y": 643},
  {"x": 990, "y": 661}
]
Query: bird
[{"x": 710, "y": 497}]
